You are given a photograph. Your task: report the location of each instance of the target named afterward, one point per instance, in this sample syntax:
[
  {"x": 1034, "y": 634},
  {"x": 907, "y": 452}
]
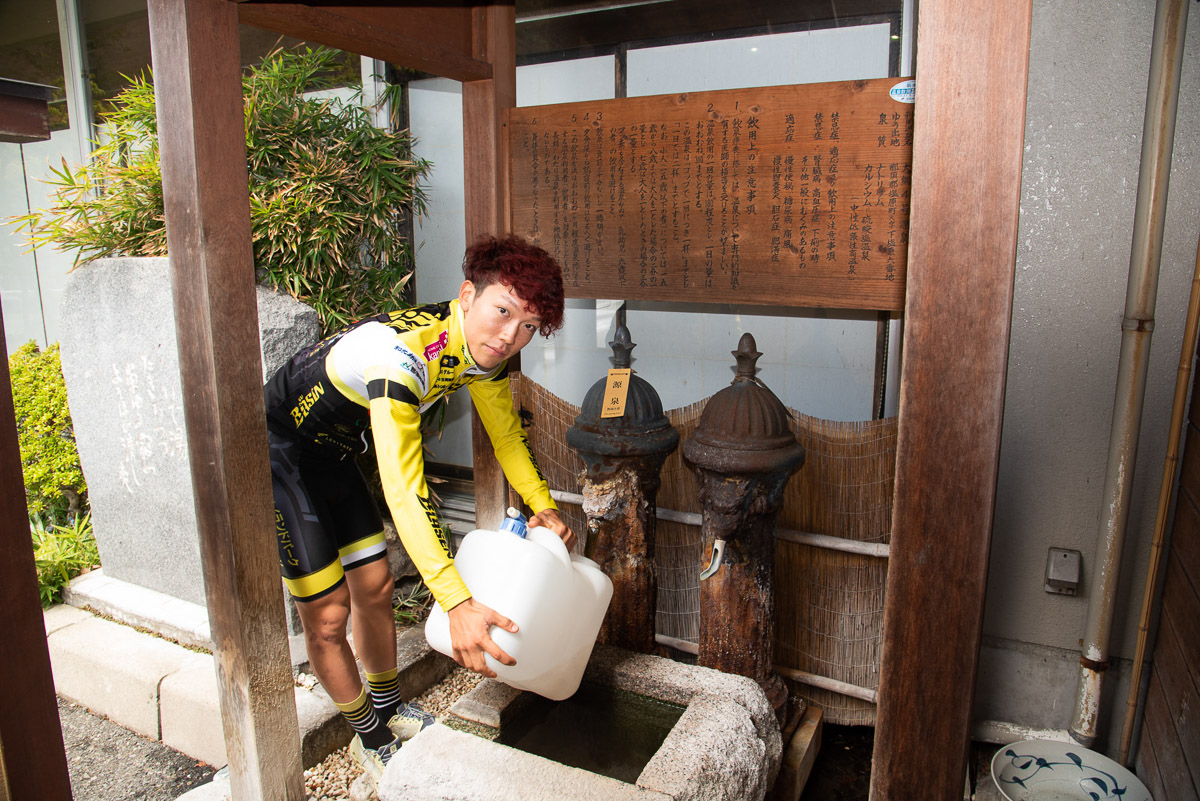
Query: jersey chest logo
[{"x": 433, "y": 349}]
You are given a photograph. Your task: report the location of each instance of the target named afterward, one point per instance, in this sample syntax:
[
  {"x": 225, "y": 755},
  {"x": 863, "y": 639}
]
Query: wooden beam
[
  {"x": 24, "y": 111},
  {"x": 197, "y": 72},
  {"x": 434, "y": 40},
  {"x": 484, "y": 101},
  {"x": 32, "y": 761},
  {"x": 971, "y": 76}
]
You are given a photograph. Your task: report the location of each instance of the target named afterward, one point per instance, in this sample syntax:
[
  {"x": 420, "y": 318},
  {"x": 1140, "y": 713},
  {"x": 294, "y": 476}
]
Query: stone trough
[{"x": 724, "y": 745}]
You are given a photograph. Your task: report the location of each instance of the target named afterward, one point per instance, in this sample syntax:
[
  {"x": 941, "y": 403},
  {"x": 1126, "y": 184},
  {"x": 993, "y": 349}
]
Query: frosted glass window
[
  {"x": 567, "y": 81},
  {"x": 833, "y": 54}
]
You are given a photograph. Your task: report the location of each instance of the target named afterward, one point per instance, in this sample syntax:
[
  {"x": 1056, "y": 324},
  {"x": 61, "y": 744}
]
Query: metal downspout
[{"x": 1158, "y": 133}]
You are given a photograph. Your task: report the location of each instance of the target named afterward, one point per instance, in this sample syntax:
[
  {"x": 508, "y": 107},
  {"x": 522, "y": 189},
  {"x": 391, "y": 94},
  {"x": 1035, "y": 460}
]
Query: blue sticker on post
[{"x": 905, "y": 91}]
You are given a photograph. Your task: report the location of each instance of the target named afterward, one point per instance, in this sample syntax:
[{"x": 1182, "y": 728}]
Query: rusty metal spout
[{"x": 714, "y": 564}]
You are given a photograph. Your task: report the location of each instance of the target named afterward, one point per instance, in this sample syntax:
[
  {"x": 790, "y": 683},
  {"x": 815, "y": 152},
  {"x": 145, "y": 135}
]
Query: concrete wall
[{"x": 1089, "y": 63}]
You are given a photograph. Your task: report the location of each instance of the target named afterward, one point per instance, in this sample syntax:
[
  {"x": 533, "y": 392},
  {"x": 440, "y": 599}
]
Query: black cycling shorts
[{"x": 326, "y": 521}]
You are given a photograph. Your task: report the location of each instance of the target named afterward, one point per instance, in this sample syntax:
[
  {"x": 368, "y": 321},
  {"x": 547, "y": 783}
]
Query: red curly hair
[{"x": 532, "y": 273}]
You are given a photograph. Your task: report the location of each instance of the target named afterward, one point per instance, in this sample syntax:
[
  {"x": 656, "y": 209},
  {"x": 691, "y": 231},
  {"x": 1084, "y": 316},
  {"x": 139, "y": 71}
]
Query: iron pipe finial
[
  {"x": 622, "y": 347},
  {"x": 747, "y": 356}
]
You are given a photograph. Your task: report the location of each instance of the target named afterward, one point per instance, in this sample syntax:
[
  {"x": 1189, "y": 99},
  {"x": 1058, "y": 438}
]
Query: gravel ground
[
  {"x": 331, "y": 780},
  {"x": 107, "y": 762}
]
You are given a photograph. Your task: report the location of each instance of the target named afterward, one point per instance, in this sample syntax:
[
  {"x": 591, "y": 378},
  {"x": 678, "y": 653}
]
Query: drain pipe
[{"x": 1158, "y": 133}]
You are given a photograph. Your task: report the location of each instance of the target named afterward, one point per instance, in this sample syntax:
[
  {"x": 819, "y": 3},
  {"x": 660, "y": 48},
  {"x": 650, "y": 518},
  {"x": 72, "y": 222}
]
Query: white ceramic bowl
[{"x": 1042, "y": 770}]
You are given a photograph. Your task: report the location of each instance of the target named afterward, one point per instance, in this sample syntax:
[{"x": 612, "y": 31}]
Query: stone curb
[
  {"x": 162, "y": 690},
  {"x": 182, "y": 621},
  {"x": 173, "y": 618},
  {"x": 167, "y": 692}
]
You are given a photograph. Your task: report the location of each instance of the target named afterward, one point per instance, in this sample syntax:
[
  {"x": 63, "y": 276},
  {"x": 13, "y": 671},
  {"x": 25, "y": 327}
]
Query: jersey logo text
[
  {"x": 433, "y": 349},
  {"x": 306, "y": 402},
  {"x": 411, "y": 364},
  {"x": 435, "y": 522},
  {"x": 285, "y": 540}
]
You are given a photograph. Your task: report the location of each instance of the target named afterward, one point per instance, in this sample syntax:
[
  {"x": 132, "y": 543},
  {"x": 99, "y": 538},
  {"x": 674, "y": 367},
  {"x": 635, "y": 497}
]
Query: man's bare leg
[
  {"x": 371, "y": 615},
  {"x": 324, "y": 621}
]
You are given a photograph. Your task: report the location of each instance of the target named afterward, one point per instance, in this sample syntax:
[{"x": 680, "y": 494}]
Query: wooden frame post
[
  {"x": 33, "y": 763},
  {"x": 971, "y": 73},
  {"x": 197, "y": 72},
  {"x": 493, "y": 41}
]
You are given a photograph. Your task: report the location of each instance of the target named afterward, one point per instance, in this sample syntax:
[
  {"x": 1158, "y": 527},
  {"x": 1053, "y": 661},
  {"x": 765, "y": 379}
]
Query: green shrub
[
  {"x": 61, "y": 553},
  {"x": 54, "y": 485},
  {"x": 329, "y": 192}
]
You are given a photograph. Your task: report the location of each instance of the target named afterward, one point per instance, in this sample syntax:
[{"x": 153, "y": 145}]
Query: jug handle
[{"x": 551, "y": 542}]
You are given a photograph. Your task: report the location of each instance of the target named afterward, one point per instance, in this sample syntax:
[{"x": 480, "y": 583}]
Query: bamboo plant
[{"x": 330, "y": 193}]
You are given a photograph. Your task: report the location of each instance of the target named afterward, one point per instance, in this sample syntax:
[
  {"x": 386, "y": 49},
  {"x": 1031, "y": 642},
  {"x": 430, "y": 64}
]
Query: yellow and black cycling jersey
[{"x": 378, "y": 375}]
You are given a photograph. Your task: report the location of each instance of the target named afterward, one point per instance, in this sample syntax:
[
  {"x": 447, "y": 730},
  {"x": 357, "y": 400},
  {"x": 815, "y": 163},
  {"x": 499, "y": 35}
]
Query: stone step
[{"x": 167, "y": 692}]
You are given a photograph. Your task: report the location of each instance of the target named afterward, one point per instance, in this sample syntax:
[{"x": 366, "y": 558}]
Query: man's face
[{"x": 496, "y": 322}]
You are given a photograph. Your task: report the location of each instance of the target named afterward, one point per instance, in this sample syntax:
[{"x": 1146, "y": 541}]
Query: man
[{"x": 376, "y": 377}]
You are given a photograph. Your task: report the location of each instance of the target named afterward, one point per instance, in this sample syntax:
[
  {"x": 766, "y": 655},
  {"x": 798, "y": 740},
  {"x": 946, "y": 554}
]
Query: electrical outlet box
[{"x": 1063, "y": 568}]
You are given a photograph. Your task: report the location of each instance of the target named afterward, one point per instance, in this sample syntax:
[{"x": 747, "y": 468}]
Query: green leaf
[{"x": 322, "y": 181}]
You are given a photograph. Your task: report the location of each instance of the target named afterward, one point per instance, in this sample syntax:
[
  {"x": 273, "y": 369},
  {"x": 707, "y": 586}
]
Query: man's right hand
[{"x": 470, "y": 637}]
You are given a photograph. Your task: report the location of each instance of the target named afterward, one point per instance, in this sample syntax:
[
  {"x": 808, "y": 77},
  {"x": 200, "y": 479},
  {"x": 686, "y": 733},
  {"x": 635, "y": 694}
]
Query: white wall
[{"x": 821, "y": 363}]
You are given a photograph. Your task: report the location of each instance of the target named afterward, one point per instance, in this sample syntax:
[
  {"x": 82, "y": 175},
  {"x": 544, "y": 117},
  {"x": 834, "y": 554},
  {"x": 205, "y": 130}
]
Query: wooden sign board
[{"x": 782, "y": 195}]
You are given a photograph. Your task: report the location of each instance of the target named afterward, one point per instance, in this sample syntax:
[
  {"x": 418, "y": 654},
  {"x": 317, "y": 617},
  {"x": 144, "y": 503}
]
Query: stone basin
[{"x": 725, "y": 746}]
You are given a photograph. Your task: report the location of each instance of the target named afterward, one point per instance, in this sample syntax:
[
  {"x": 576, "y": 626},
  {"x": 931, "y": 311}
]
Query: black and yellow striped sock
[
  {"x": 371, "y": 730},
  {"x": 385, "y": 693}
]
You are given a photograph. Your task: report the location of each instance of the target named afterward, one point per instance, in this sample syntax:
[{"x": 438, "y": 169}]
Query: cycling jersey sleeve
[
  {"x": 493, "y": 400},
  {"x": 396, "y": 427}
]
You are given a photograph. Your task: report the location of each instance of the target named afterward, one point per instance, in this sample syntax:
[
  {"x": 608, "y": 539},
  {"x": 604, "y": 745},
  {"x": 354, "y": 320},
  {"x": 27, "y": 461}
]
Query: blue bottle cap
[{"x": 515, "y": 522}]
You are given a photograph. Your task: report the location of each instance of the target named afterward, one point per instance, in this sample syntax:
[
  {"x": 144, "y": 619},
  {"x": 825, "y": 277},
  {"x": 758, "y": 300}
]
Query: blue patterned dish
[{"x": 1042, "y": 770}]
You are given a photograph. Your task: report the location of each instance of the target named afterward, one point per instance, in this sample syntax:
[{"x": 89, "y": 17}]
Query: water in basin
[{"x": 601, "y": 729}]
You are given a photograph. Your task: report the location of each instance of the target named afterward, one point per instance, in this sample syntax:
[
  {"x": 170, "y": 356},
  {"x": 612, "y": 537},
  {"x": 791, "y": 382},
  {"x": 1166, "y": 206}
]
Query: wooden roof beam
[
  {"x": 433, "y": 40},
  {"x": 24, "y": 111}
]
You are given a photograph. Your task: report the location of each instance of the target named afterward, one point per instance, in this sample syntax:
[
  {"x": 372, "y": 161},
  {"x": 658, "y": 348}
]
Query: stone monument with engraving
[{"x": 121, "y": 366}]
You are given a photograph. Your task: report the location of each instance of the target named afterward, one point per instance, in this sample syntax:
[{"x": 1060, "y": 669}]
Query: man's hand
[
  {"x": 470, "y": 637},
  {"x": 548, "y": 518}
]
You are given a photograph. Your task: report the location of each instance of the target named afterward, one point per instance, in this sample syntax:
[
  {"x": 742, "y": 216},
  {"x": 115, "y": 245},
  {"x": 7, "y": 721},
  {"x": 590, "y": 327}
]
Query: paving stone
[
  {"x": 114, "y": 671},
  {"x": 60, "y": 616},
  {"x": 486, "y": 704},
  {"x": 191, "y": 717},
  {"x": 182, "y": 621},
  {"x": 190, "y": 712},
  {"x": 423, "y": 771}
]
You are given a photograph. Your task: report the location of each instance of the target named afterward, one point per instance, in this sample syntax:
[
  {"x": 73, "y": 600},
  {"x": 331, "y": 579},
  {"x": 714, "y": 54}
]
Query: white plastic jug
[{"x": 556, "y": 598}]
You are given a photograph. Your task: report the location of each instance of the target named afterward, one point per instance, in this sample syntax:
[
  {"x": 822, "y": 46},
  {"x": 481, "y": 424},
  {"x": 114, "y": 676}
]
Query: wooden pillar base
[{"x": 800, "y": 748}]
